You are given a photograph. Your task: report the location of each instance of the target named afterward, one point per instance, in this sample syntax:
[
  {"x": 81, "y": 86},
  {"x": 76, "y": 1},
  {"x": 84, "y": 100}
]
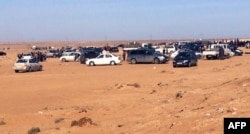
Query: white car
[
  {"x": 174, "y": 54},
  {"x": 170, "y": 49},
  {"x": 70, "y": 56},
  {"x": 27, "y": 56},
  {"x": 27, "y": 65},
  {"x": 104, "y": 59}
]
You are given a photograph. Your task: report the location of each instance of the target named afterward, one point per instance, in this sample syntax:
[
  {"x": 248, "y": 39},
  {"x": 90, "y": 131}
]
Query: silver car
[{"x": 27, "y": 65}]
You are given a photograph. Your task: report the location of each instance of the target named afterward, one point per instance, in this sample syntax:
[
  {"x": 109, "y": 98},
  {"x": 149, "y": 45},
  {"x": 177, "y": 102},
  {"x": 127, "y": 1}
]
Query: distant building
[{"x": 244, "y": 39}]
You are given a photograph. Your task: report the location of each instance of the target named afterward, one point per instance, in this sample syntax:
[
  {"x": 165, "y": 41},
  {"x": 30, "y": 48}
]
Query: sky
[{"x": 88, "y": 20}]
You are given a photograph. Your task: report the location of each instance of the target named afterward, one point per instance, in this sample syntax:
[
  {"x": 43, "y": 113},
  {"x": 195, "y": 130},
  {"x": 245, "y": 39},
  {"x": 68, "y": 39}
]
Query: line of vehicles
[{"x": 184, "y": 54}]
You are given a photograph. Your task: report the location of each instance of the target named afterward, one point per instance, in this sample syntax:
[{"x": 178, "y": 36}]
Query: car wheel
[
  {"x": 133, "y": 61},
  {"x": 174, "y": 65},
  {"x": 91, "y": 63},
  {"x": 30, "y": 70},
  {"x": 112, "y": 63},
  {"x": 189, "y": 64},
  {"x": 40, "y": 68},
  {"x": 16, "y": 71},
  {"x": 196, "y": 64},
  {"x": 63, "y": 60},
  {"x": 156, "y": 61},
  {"x": 82, "y": 62}
]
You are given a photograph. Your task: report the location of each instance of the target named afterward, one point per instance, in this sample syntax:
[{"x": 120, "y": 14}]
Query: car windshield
[
  {"x": 66, "y": 54},
  {"x": 100, "y": 56},
  {"x": 157, "y": 53},
  {"x": 21, "y": 61},
  {"x": 182, "y": 55}
]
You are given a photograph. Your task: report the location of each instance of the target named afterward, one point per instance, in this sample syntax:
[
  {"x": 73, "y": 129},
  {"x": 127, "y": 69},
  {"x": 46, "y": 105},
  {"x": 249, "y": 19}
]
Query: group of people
[{"x": 39, "y": 56}]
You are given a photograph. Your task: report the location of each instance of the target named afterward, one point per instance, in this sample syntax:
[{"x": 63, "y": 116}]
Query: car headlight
[{"x": 185, "y": 61}]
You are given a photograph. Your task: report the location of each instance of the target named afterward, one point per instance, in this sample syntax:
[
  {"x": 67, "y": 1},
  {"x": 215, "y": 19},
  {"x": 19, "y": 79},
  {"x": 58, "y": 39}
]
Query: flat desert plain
[{"x": 125, "y": 99}]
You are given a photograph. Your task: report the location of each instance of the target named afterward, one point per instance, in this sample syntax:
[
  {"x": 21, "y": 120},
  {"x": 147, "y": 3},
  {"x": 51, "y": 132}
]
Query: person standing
[
  {"x": 221, "y": 53},
  {"x": 104, "y": 52},
  {"x": 124, "y": 55}
]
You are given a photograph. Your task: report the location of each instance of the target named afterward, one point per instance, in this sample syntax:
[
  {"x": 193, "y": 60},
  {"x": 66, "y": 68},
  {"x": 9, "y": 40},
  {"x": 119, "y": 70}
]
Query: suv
[
  {"x": 146, "y": 56},
  {"x": 70, "y": 56},
  {"x": 185, "y": 58},
  {"x": 53, "y": 53},
  {"x": 88, "y": 55}
]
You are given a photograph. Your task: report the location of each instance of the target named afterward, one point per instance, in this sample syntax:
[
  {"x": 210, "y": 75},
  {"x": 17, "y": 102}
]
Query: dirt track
[{"x": 123, "y": 99}]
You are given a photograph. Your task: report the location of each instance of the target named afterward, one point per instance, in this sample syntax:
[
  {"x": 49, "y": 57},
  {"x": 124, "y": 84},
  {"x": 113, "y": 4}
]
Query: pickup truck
[{"x": 211, "y": 53}]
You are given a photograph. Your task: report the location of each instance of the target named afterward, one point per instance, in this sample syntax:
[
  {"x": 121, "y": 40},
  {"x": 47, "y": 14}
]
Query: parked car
[
  {"x": 188, "y": 47},
  {"x": 104, "y": 59},
  {"x": 144, "y": 55},
  {"x": 237, "y": 52},
  {"x": 113, "y": 50},
  {"x": 27, "y": 56},
  {"x": 88, "y": 55},
  {"x": 53, "y": 53},
  {"x": 27, "y": 65},
  {"x": 170, "y": 49},
  {"x": 2, "y": 53},
  {"x": 185, "y": 58},
  {"x": 213, "y": 51},
  {"x": 70, "y": 56}
]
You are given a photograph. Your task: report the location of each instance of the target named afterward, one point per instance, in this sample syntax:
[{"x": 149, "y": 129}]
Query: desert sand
[{"x": 123, "y": 99}]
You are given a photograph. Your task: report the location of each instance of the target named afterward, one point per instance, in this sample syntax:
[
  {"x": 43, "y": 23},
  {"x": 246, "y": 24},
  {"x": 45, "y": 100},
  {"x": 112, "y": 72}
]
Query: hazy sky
[{"x": 64, "y": 20}]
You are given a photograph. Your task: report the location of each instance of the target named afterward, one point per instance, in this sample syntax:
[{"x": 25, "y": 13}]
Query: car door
[
  {"x": 99, "y": 60},
  {"x": 193, "y": 58},
  {"x": 32, "y": 64},
  {"x": 149, "y": 56},
  {"x": 107, "y": 59},
  {"x": 71, "y": 57},
  {"x": 140, "y": 57}
]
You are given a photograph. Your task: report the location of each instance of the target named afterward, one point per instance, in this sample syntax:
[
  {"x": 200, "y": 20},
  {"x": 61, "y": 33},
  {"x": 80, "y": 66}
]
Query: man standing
[
  {"x": 221, "y": 53},
  {"x": 124, "y": 55}
]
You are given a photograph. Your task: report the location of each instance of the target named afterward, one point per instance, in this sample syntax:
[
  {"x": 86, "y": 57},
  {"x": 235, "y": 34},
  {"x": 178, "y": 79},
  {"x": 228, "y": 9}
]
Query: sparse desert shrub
[
  {"x": 136, "y": 85},
  {"x": 179, "y": 95},
  {"x": 85, "y": 121},
  {"x": 2, "y": 122},
  {"x": 34, "y": 130},
  {"x": 59, "y": 120}
]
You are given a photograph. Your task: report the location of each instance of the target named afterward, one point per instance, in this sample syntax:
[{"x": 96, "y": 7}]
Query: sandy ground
[{"x": 123, "y": 99}]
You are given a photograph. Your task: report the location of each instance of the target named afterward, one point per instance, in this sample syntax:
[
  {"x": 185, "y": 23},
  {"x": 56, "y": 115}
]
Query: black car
[
  {"x": 114, "y": 50},
  {"x": 185, "y": 58},
  {"x": 2, "y": 53},
  {"x": 88, "y": 55}
]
